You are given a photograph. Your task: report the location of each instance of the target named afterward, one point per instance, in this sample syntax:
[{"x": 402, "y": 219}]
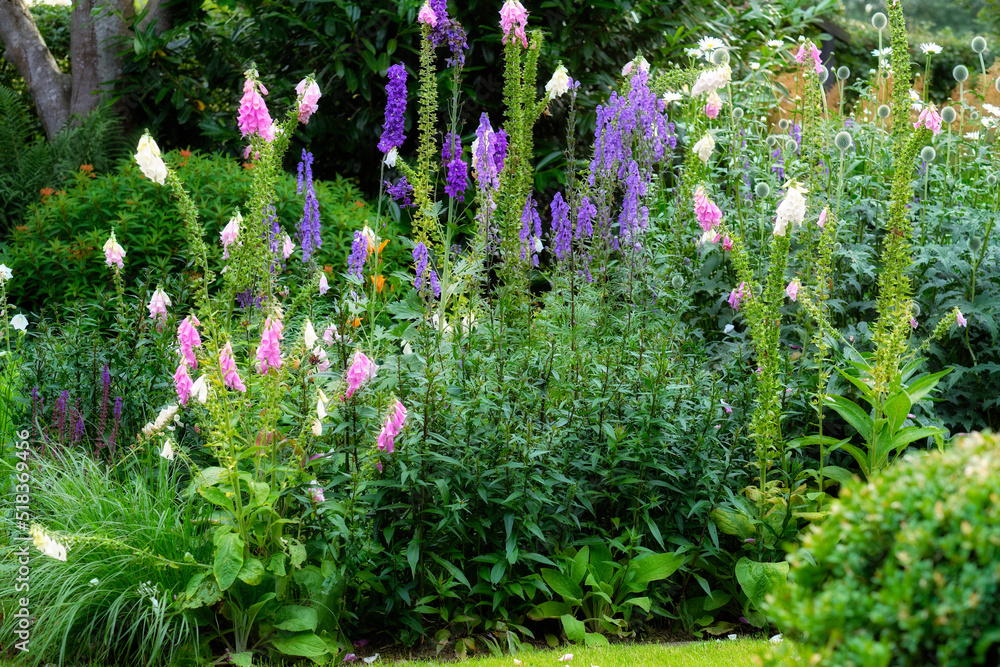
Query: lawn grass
[
  {"x": 736, "y": 653},
  {"x": 724, "y": 653}
]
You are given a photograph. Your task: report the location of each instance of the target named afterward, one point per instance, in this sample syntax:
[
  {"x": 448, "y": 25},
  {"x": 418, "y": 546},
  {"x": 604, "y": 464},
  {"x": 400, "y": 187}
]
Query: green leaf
[
  {"x": 295, "y": 618},
  {"x": 549, "y": 609},
  {"x": 563, "y": 585},
  {"x": 244, "y": 659},
  {"x": 594, "y": 639},
  {"x": 413, "y": 555},
  {"x": 896, "y": 408},
  {"x": 854, "y": 416},
  {"x": 216, "y": 496},
  {"x": 924, "y": 385},
  {"x": 759, "y": 580},
  {"x": 913, "y": 433},
  {"x": 277, "y": 564},
  {"x": 733, "y": 523},
  {"x": 575, "y": 630},
  {"x": 201, "y": 591},
  {"x": 296, "y": 553},
  {"x": 252, "y": 571},
  {"x": 838, "y": 474},
  {"x": 640, "y": 602},
  {"x": 228, "y": 559},
  {"x": 654, "y": 567},
  {"x": 304, "y": 644}
]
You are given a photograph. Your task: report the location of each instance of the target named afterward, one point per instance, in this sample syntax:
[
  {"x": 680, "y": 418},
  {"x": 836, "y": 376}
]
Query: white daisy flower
[
  {"x": 775, "y": 43},
  {"x": 931, "y": 48},
  {"x": 708, "y": 44},
  {"x": 693, "y": 53}
]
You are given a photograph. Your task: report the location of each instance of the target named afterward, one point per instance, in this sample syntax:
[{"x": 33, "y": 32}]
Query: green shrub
[
  {"x": 57, "y": 255},
  {"x": 904, "y": 570}
]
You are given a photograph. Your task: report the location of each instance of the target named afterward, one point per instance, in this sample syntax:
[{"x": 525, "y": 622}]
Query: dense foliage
[
  {"x": 903, "y": 572},
  {"x": 577, "y": 415}
]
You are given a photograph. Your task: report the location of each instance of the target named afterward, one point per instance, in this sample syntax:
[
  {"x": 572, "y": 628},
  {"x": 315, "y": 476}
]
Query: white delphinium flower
[{"x": 5, "y": 273}]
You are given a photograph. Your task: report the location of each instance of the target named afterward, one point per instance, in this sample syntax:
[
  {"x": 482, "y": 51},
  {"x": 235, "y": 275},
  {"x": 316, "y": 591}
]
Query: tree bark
[
  {"x": 50, "y": 88},
  {"x": 98, "y": 32}
]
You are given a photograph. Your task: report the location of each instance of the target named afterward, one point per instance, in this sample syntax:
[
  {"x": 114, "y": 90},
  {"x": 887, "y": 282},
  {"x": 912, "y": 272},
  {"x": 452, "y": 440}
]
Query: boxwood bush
[{"x": 905, "y": 569}]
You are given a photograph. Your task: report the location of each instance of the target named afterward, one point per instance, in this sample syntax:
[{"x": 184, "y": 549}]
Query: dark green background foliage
[
  {"x": 57, "y": 257},
  {"x": 904, "y": 570}
]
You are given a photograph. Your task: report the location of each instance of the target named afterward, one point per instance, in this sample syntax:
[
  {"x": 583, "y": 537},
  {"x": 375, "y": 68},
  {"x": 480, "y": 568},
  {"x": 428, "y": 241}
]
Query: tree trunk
[
  {"x": 49, "y": 86},
  {"x": 98, "y": 32}
]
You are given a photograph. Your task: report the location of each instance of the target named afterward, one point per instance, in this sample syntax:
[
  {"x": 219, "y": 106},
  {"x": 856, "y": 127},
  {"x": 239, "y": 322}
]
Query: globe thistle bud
[
  {"x": 996, "y": 84},
  {"x": 927, "y": 154},
  {"x": 843, "y": 141},
  {"x": 737, "y": 113},
  {"x": 991, "y": 180},
  {"x": 948, "y": 115},
  {"x": 720, "y": 57},
  {"x": 961, "y": 73},
  {"x": 837, "y": 246},
  {"x": 824, "y": 74},
  {"x": 974, "y": 116},
  {"x": 883, "y": 111},
  {"x": 879, "y": 21},
  {"x": 771, "y": 141},
  {"x": 915, "y": 309},
  {"x": 975, "y": 243},
  {"x": 978, "y": 44},
  {"x": 843, "y": 72},
  {"x": 791, "y": 145},
  {"x": 762, "y": 190},
  {"x": 783, "y": 124},
  {"x": 677, "y": 282}
]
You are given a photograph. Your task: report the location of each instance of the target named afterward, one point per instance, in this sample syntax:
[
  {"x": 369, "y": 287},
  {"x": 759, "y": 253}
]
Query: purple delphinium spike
[
  {"x": 585, "y": 219},
  {"x": 359, "y": 253},
  {"x": 395, "y": 108},
  {"x": 400, "y": 192},
  {"x": 562, "y": 228},
  {"x": 448, "y": 31},
  {"x": 457, "y": 170},
  {"x": 426, "y": 275},
  {"x": 529, "y": 237},
  {"x": 309, "y": 233}
]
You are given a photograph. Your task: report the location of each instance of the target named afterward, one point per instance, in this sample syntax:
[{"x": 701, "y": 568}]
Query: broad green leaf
[
  {"x": 563, "y": 585},
  {"x": 594, "y": 639},
  {"x": 733, "y": 523},
  {"x": 304, "y": 644},
  {"x": 654, "y": 567},
  {"x": 575, "y": 630},
  {"x": 252, "y": 571},
  {"x": 838, "y": 474},
  {"x": 912, "y": 434},
  {"x": 854, "y": 416},
  {"x": 759, "y": 580},
  {"x": 295, "y": 618},
  {"x": 896, "y": 409},
  {"x": 924, "y": 385},
  {"x": 859, "y": 456},
  {"x": 244, "y": 659},
  {"x": 640, "y": 602},
  {"x": 413, "y": 555},
  {"x": 216, "y": 496},
  {"x": 549, "y": 609},
  {"x": 228, "y": 560}
]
